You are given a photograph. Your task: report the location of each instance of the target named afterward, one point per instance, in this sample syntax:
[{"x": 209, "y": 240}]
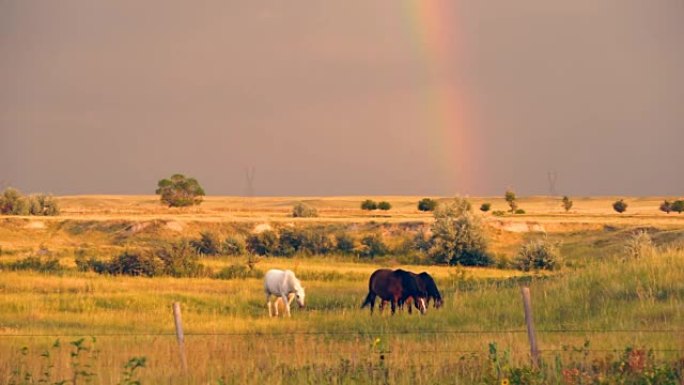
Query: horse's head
[
  {"x": 299, "y": 296},
  {"x": 420, "y": 304},
  {"x": 438, "y": 302}
]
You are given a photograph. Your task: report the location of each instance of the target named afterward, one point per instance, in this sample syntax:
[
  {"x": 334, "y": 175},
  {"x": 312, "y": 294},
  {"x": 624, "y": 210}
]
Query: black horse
[
  {"x": 431, "y": 289},
  {"x": 395, "y": 286}
]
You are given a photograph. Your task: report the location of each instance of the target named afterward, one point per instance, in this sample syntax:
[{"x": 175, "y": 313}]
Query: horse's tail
[{"x": 368, "y": 301}]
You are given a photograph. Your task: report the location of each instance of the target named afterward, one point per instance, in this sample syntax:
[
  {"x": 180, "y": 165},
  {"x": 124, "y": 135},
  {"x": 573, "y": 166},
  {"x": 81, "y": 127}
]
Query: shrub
[
  {"x": 372, "y": 246},
  {"x": 427, "y": 204},
  {"x": 369, "y": 205},
  {"x": 458, "y": 235},
  {"x": 384, "y": 205},
  {"x": 567, "y": 203},
  {"x": 620, "y": 206},
  {"x": 12, "y": 202},
  {"x": 289, "y": 242},
  {"x": 316, "y": 241},
  {"x": 136, "y": 264},
  {"x": 538, "y": 255},
  {"x": 179, "y": 191},
  {"x": 234, "y": 245},
  {"x": 498, "y": 213},
  {"x": 344, "y": 243},
  {"x": 510, "y": 197},
  {"x": 421, "y": 242},
  {"x": 640, "y": 245},
  {"x": 208, "y": 244},
  {"x": 35, "y": 263},
  {"x": 91, "y": 264},
  {"x": 238, "y": 271},
  {"x": 180, "y": 260},
  {"x": 303, "y": 210},
  {"x": 678, "y": 206},
  {"x": 519, "y": 211},
  {"x": 485, "y": 207},
  {"x": 264, "y": 243}
]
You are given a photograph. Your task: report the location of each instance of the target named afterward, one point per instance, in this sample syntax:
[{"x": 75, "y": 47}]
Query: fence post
[
  {"x": 527, "y": 304},
  {"x": 180, "y": 336}
]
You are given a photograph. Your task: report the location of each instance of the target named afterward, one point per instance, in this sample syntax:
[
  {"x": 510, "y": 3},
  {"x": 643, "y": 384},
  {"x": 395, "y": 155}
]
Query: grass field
[{"x": 599, "y": 296}]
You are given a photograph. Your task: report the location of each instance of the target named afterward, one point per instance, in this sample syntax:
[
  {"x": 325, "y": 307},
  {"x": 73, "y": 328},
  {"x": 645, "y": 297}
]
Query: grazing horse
[
  {"x": 282, "y": 284},
  {"x": 395, "y": 287},
  {"x": 431, "y": 289},
  {"x": 427, "y": 284}
]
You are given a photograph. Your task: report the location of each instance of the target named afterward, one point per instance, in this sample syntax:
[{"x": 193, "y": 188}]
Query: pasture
[{"x": 588, "y": 313}]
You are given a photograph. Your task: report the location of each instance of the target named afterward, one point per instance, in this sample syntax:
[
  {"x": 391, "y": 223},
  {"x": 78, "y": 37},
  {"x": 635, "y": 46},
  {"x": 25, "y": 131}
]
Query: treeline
[{"x": 13, "y": 202}]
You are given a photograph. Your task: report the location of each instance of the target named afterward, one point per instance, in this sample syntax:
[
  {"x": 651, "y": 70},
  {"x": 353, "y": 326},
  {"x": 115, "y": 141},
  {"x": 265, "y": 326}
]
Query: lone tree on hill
[
  {"x": 179, "y": 191},
  {"x": 427, "y": 204},
  {"x": 666, "y": 206},
  {"x": 384, "y": 205},
  {"x": 511, "y": 199},
  {"x": 567, "y": 203},
  {"x": 620, "y": 206},
  {"x": 485, "y": 207}
]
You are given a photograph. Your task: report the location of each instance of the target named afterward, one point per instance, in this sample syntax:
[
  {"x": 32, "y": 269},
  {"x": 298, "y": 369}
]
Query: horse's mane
[{"x": 290, "y": 278}]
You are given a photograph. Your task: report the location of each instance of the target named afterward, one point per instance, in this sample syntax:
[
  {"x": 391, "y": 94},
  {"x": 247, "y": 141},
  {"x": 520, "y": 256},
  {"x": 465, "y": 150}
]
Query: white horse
[{"x": 282, "y": 284}]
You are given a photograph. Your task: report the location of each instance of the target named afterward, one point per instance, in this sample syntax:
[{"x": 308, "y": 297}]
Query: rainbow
[{"x": 434, "y": 31}]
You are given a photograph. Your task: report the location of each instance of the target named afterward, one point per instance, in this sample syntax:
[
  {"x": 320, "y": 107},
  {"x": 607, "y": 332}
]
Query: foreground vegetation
[{"x": 606, "y": 314}]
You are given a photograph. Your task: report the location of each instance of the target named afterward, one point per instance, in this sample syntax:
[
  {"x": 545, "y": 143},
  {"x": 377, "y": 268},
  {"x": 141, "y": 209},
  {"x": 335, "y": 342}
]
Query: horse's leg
[
  {"x": 287, "y": 304},
  {"x": 268, "y": 304},
  {"x": 408, "y": 304},
  {"x": 393, "y": 302}
]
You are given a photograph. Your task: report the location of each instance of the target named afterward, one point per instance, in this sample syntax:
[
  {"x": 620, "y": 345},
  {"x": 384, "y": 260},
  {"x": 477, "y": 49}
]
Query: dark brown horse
[
  {"x": 427, "y": 284},
  {"x": 394, "y": 286}
]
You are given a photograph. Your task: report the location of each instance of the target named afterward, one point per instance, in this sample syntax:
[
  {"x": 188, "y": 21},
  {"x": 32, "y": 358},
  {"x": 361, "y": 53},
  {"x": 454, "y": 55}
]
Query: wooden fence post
[
  {"x": 527, "y": 304},
  {"x": 180, "y": 336}
]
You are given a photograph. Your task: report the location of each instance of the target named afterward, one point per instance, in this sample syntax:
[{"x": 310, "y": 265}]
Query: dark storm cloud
[{"x": 328, "y": 98}]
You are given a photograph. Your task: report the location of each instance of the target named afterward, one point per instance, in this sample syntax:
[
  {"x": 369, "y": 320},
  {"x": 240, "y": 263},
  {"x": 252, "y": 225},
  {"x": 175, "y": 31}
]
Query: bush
[
  {"x": 458, "y": 235},
  {"x": 620, "y": 206},
  {"x": 372, "y": 246},
  {"x": 289, "y": 242},
  {"x": 427, "y": 204},
  {"x": 421, "y": 242},
  {"x": 303, "y": 210},
  {"x": 180, "y": 260},
  {"x": 678, "y": 206},
  {"x": 179, "y": 191},
  {"x": 35, "y": 263},
  {"x": 485, "y": 207},
  {"x": 538, "y": 255},
  {"x": 666, "y": 206},
  {"x": 344, "y": 243},
  {"x": 316, "y": 242},
  {"x": 238, "y": 271},
  {"x": 208, "y": 244},
  {"x": 369, "y": 205},
  {"x": 42, "y": 204},
  {"x": 384, "y": 205},
  {"x": 640, "y": 245},
  {"x": 91, "y": 264},
  {"x": 135, "y": 264},
  {"x": 264, "y": 243},
  {"x": 519, "y": 211},
  {"x": 498, "y": 213},
  {"x": 13, "y": 203},
  {"x": 234, "y": 246}
]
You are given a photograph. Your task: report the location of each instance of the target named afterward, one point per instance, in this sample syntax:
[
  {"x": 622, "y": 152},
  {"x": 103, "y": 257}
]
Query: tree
[
  {"x": 620, "y": 206},
  {"x": 384, "y": 205},
  {"x": 511, "y": 199},
  {"x": 369, "y": 205},
  {"x": 678, "y": 206},
  {"x": 427, "y": 204},
  {"x": 485, "y": 207},
  {"x": 458, "y": 236},
  {"x": 666, "y": 206},
  {"x": 179, "y": 191},
  {"x": 567, "y": 203}
]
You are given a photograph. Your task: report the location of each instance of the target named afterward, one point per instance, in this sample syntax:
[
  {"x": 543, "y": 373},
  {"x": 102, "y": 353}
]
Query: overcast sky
[{"x": 334, "y": 97}]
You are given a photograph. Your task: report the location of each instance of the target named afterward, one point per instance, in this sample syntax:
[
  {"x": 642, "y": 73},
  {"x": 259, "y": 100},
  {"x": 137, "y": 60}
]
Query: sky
[{"x": 354, "y": 97}]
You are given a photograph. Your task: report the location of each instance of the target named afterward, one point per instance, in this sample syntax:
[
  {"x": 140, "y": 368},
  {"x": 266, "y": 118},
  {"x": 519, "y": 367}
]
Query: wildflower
[{"x": 505, "y": 381}]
